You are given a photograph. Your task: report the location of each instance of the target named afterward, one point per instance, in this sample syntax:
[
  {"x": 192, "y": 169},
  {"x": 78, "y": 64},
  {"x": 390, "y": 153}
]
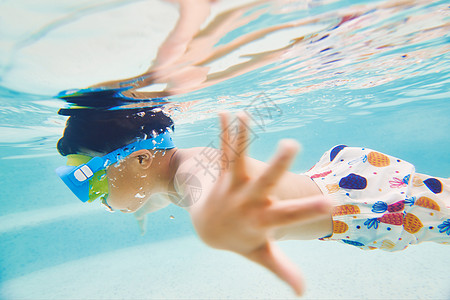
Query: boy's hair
[{"x": 104, "y": 131}]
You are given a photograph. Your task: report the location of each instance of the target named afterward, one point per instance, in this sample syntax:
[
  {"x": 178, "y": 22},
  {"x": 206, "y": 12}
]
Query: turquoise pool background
[{"x": 54, "y": 247}]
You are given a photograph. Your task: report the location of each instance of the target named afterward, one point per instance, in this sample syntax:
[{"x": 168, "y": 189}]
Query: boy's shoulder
[
  {"x": 196, "y": 174},
  {"x": 202, "y": 162}
]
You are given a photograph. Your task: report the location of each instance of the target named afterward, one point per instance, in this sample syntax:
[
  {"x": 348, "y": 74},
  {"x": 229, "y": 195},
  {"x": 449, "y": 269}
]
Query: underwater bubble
[{"x": 139, "y": 195}]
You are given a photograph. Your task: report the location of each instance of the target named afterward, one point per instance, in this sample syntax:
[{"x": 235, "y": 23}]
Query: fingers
[
  {"x": 224, "y": 140},
  {"x": 286, "y": 212},
  {"x": 278, "y": 166},
  {"x": 240, "y": 145},
  {"x": 234, "y": 143},
  {"x": 271, "y": 257}
]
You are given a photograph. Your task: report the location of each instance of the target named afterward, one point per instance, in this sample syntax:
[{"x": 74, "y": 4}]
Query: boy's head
[
  {"x": 112, "y": 151},
  {"x": 100, "y": 132}
]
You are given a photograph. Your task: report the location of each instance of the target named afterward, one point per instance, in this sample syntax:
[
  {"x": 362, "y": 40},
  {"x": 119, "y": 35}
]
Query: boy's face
[{"x": 128, "y": 187}]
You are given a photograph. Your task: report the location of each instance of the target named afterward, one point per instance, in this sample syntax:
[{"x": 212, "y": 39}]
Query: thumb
[{"x": 271, "y": 257}]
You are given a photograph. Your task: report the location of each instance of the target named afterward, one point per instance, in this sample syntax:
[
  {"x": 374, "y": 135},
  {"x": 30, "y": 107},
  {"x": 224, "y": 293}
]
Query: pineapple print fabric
[{"x": 380, "y": 202}]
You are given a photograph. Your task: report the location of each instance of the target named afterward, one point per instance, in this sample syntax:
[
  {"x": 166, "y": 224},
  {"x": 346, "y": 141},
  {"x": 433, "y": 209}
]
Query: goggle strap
[{"x": 161, "y": 142}]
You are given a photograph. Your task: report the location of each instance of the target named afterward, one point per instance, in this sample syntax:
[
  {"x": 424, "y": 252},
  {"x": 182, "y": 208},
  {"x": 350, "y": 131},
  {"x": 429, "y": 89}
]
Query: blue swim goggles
[{"x": 88, "y": 180}]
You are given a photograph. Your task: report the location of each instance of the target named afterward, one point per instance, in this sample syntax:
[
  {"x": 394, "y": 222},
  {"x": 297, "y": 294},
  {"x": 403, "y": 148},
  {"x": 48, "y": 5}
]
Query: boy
[{"x": 127, "y": 158}]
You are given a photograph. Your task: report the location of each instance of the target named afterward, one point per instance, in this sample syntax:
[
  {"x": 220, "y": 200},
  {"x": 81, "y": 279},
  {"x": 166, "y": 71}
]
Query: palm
[{"x": 239, "y": 214}]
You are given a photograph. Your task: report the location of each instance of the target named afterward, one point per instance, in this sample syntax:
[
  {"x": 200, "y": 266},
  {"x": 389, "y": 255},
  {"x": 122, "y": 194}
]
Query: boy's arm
[
  {"x": 192, "y": 14},
  {"x": 238, "y": 214}
]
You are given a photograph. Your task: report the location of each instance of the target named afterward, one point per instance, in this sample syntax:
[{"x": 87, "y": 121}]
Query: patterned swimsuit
[{"x": 379, "y": 202}]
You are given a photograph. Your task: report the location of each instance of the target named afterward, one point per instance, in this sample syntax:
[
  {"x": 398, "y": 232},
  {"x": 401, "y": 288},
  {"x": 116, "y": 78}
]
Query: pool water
[{"x": 380, "y": 80}]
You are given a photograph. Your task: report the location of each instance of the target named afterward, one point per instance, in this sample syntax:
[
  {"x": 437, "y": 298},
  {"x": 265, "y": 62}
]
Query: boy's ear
[{"x": 144, "y": 158}]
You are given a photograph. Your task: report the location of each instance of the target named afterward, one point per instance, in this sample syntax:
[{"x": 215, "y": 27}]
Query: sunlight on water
[{"x": 320, "y": 59}]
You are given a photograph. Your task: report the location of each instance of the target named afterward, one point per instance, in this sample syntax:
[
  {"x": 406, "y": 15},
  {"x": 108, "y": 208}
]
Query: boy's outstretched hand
[{"x": 240, "y": 215}]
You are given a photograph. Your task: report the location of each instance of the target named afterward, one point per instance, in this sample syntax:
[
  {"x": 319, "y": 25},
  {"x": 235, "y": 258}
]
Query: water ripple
[{"x": 312, "y": 60}]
